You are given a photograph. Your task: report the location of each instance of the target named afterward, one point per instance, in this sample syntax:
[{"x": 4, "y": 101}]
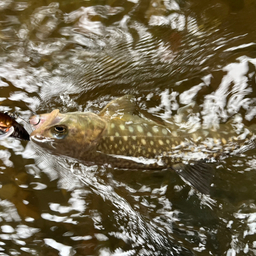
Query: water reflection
[{"x": 191, "y": 60}]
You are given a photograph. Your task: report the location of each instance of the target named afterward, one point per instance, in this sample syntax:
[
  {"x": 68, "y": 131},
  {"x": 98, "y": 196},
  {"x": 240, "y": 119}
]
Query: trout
[{"x": 119, "y": 138}]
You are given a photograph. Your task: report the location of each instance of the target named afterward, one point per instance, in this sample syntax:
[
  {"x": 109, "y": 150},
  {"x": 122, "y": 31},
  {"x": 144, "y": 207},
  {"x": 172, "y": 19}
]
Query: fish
[
  {"x": 120, "y": 137},
  {"x": 9, "y": 127}
]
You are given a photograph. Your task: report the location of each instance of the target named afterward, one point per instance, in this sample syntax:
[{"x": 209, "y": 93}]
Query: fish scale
[{"x": 119, "y": 138}]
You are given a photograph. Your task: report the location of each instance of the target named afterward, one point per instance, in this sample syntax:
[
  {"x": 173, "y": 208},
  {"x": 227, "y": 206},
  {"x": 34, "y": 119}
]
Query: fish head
[{"x": 72, "y": 134}]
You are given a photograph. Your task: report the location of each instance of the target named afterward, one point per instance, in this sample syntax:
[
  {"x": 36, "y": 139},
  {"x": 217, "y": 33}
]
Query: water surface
[{"x": 77, "y": 56}]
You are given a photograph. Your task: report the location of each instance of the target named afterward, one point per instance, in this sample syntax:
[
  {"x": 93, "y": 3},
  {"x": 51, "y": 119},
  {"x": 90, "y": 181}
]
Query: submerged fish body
[{"x": 118, "y": 137}]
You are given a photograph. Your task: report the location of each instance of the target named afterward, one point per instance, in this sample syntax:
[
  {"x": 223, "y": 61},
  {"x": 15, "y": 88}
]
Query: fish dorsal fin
[{"x": 119, "y": 106}]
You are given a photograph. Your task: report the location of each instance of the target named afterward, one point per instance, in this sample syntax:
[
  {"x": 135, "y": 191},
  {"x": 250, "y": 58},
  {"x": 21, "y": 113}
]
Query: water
[{"x": 78, "y": 55}]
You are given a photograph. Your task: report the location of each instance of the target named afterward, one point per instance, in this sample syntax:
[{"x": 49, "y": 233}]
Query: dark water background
[{"x": 78, "y": 55}]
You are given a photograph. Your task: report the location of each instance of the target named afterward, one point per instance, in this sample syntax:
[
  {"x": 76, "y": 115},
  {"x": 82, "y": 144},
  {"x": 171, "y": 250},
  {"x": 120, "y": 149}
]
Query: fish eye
[{"x": 59, "y": 131}]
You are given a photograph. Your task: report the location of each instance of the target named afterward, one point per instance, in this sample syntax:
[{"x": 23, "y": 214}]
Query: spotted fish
[{"x": 120, "y": 138}]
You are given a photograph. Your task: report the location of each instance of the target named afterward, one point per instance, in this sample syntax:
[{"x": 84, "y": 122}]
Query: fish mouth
[
  {"x": 48, "y": 144},
  {"x": 39, "y": 139},
  {"x": 37, "y": 121},
  {"x": 41, "y": 122}
]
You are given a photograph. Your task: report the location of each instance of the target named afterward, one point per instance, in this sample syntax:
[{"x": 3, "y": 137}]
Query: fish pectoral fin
[
  {"x": 198, "y": 174},
  {"x": 125, "y": 104}
]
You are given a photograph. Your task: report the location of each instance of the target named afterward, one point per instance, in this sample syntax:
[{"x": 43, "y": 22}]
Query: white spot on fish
[
  {"x": 134, "y": 137},
  {"x": 154, "y": 151},
  {"x": 160, "y": 142},
  {"x": 164, "y": 131},
  {"x": 167, "y": 141},
  {"x": 125, "y": 138},
  {"x": 139, "y": 128},
  {"x": 155, "y": 129},
  {"x": 174, "y": 134},
  {"x": 143, "y": 141},
  {"x": 205, "y": 133},
  {"x": 115, "y": 145},
  {"x": 223, "y": 141},
  {"x": 149, "y": 134},
  {"x": 117, "y": 134},
  {"x": 130, "y": 128},
  {"x": 151, "y": 142},
  {"x": 122, "y": 127},
  {"x": 111, "y": 138},
  {"x": 112, "y": 125}
]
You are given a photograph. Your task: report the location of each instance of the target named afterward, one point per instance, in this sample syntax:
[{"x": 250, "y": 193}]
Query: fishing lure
[{"x": 10, "y": 127}]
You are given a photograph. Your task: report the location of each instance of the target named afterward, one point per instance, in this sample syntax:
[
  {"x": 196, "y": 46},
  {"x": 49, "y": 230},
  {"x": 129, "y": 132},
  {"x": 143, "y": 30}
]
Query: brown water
[{"x": 78, "y": 55}]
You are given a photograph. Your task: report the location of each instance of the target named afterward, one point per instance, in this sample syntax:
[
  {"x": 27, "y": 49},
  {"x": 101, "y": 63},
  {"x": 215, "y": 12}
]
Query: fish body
[
  {"x": 120, "y": 138},
  {"x": 10, "y": 127}
]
